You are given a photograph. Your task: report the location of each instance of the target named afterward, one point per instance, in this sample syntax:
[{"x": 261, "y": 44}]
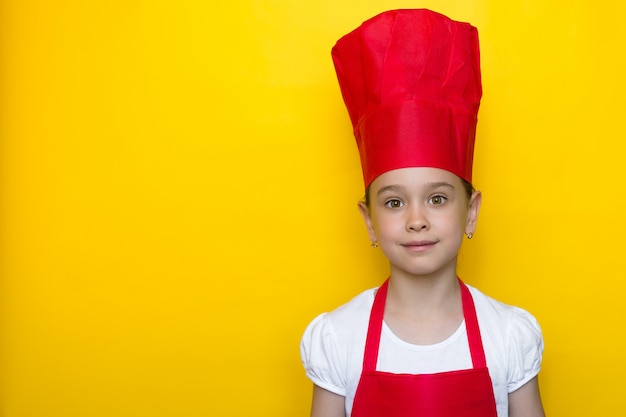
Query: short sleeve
[
  {"x": 320, "y": 356},
  {"x": 525, "y": 343}
]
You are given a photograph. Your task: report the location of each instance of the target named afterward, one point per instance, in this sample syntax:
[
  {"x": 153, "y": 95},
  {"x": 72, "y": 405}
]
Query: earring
[
  {"x": 470, "y": 235},
  {"x": 374, "y": 245}
]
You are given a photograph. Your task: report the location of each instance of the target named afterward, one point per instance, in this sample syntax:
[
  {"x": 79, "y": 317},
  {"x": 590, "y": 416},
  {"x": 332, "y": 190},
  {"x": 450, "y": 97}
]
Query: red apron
[{"x": 464, "y": 393}]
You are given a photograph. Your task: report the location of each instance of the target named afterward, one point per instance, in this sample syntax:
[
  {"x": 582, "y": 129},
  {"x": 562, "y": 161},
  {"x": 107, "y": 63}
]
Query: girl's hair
[{"x": 469, "y": 190}]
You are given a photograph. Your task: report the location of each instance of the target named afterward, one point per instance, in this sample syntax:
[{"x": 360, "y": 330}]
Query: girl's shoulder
[
  {"x": 348, "y": 317},
  {"x": 503, "y": 315},
  {"x": 512, "y": 340},
  {"x": 332, "y": 344}
]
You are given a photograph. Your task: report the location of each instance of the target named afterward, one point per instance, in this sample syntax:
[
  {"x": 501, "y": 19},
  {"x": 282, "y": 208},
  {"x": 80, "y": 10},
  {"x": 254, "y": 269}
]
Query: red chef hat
[{"x": 411, "y": 82}]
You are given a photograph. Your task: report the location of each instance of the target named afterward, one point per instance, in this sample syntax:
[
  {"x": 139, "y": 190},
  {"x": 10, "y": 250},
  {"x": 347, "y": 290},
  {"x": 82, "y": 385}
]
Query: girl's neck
[
  {"x": 423, "y": 310},
  {"x": 438, "y": 291}
]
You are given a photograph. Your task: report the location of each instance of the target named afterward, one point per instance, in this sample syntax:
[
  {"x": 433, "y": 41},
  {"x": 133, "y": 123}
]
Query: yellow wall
[{"x": 178, "y": 198}]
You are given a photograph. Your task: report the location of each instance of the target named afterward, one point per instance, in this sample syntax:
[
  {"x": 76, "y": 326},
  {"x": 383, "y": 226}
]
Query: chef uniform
[
  {"x": 411, "y": 82},
  {"x": 463, "y": 393}
]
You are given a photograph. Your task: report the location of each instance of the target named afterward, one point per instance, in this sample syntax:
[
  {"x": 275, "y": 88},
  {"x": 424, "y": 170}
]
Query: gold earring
[
  {"x": 470, "y": 235},
  {"x": 374, "y": 245}
]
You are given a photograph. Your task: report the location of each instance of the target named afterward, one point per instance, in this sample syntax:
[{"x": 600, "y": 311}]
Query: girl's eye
[
  {"x": 394, "y": 203},
  {"x": 437, "y": 199}
]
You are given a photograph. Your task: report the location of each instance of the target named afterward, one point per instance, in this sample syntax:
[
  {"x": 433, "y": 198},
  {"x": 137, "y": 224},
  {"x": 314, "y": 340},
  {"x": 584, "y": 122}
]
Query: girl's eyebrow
[
  {"x": 388, "y": 188},
  {"x": 439, "y": 184}
]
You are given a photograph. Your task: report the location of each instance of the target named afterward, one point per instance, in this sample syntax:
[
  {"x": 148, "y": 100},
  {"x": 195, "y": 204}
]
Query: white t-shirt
[{"x": 333, "y": 344}]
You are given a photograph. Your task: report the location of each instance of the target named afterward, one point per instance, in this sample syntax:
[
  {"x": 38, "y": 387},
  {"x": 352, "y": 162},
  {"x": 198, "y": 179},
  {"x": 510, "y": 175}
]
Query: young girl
[{"x": 423, "y": 343}]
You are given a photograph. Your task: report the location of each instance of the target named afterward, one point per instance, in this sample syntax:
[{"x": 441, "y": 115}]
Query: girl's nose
[{"x": 417, "y": 219}]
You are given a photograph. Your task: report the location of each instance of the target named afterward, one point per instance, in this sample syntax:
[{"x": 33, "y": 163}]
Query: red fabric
[
  {"x": 464, "y": 393},
  {"x": 411, "y": 83}
]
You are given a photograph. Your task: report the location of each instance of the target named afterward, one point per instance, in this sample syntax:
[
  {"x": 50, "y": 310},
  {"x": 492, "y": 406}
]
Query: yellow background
[{"x": 178, "y": 198}]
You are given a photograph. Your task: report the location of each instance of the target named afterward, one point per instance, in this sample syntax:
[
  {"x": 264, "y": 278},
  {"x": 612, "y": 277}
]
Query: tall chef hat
[{"x": 411, "y": 82}]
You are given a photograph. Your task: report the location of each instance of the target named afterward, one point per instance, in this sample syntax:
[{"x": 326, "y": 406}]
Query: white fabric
[{"x": 333, "y": 344}]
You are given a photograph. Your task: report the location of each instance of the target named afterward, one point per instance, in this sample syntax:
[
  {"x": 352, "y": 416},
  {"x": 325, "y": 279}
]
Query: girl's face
[{"x": 419, "y": 216}]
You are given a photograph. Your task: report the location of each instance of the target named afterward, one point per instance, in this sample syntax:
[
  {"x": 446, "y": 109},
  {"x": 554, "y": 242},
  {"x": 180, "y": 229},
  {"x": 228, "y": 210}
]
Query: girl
[{"x": 423, "y": 343}]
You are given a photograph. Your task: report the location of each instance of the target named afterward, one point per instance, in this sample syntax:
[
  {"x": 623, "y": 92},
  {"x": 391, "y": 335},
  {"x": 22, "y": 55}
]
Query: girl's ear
[
  {"x": 472, "y": 211},
  {"x": 367, "y": 218}
]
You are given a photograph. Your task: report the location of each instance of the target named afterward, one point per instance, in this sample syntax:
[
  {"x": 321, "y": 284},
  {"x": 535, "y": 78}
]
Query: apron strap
[
  {"x": 472, "y": 328},
  {"x": 372, "y": 342}
]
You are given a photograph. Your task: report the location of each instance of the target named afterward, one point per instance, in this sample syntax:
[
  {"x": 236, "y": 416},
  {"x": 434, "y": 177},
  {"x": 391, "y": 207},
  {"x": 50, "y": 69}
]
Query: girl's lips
[{"x": 419, "y": 245}]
